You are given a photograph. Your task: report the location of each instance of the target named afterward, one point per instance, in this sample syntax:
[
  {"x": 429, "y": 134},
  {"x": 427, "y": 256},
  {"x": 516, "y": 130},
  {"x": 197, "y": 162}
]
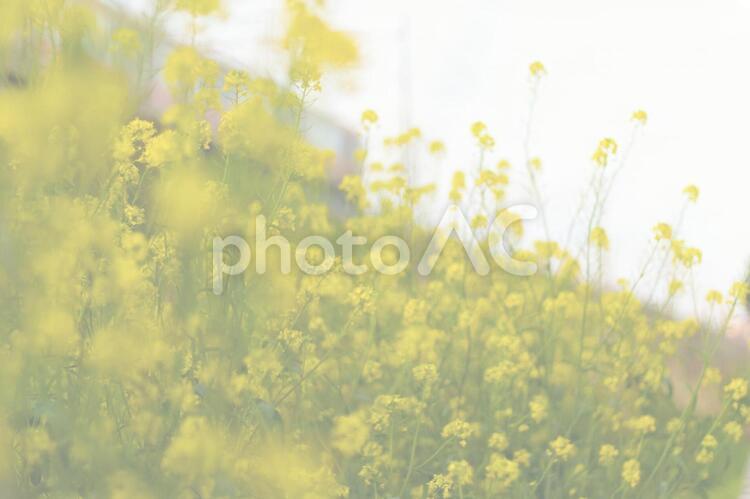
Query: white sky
[{"x": 442, "y": 65}]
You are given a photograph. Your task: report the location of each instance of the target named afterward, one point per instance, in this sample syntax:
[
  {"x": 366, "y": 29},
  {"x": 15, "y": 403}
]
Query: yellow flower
[
  {"x": 685, "y": 255},
  {"x": 405, "y": 138},
  {"x": 479, "y": 222},
  {"x": 715, "y": 297},
  {"x": 292, "y": 338},
  {"x": 514, "y": 300},
  {"x": 640, "y": 116},
  {"x": 692, "y": 192},
  {"x": 662, "y": 231},
  {"x": 522, "y": 457},
  {"x": 709, "y": 442},
  {"x": 197, "y": 448},
  {"x": 126, "y": 41},
  {"x": 369, "y": 117},
  {"x": 704, "y": 456},
  {"x": 600, "y": 157},
  {"x": 360, "y": 155},
  {"x": 706, "y": 453},
  {"x": 133, "y": 140},
  {"x": 599, "y": 238},
  {"x": 675, "y": 286},
  {"x": 162, "y": 149},
  {"x": 538, "y": 407},
  {"x": 457, "y": 185},
  {"x": 607, "y": 453},
  {"x": 199, "y": 7},
  {"x": 459, "y": 429},
  {"x": 631, "y": 472},
  {"x": 439, "y": 487},
  {"x": 436, "y": 147},
  {"x": 739, "y": 291},
  {"x": 606, "y": 149},
  {"x": 537, "y": 69},
  {"x": 562, "y": 448},
  {"x": 712, "y": 376},
  {"x": 372, "y": 371},
  {"x": 36, "y": 443},
  {"x": 642, "y": 424},
  {"x": 478, "y": 129},
  {"x": 503, "y": 164},
  {"x": 498, "y": 441},
  {"x": 238, "y": 83},
  {"x": 355, "y": 191},
  {"x": 461, "y": 472},
  {"x": 350, "y": 433},
  {"x": 502, "y": 470},
  {"x": 134, "y": 215},
  {"x": 609, "y": 145},
  {"x": 736, "y": 389},
  {"x": 734, "y": 430},
  {"x": 425, "y": 373},
  {"x": 314, "y": 45},
  {"x": 484, "y": 139},
  {"x": 186, "y": 67}
]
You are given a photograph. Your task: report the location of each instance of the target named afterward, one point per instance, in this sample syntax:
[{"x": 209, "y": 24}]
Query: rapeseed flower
[{"x": 631, "y": 472}]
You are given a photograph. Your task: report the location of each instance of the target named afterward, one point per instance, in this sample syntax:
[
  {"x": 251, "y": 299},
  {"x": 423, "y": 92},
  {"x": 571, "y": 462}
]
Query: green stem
[{"x": 410, "y": 468}]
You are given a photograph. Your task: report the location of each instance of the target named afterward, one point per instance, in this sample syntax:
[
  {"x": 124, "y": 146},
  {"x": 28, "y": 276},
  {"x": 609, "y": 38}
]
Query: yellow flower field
[{"x": 129, "y": 370}]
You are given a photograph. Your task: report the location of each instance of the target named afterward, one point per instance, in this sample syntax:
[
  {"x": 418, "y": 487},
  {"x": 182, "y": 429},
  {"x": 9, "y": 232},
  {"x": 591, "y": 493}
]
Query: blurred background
[{"x": 441, "y": 66}]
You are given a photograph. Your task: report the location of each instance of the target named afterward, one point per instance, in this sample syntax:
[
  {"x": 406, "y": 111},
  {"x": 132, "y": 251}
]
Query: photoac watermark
[{"x": 452, "y": 224}]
